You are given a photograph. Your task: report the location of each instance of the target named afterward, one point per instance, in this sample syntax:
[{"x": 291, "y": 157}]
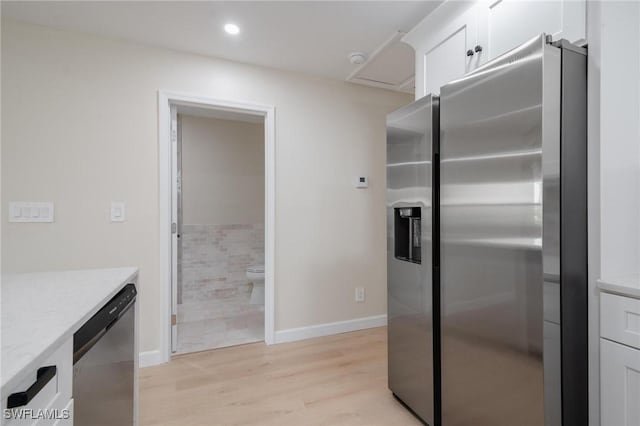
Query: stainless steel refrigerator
[
  {"x": 412, "y": 150},
  {"x": 514, "y": 240}
]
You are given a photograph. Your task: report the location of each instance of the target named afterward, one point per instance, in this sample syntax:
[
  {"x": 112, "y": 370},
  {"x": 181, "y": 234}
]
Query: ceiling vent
[{"x": 391, "y": 66}]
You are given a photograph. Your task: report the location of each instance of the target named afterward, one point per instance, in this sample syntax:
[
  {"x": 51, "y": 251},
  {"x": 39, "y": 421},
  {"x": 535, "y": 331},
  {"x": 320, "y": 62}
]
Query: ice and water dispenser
[{"x": 407, "y": 234}]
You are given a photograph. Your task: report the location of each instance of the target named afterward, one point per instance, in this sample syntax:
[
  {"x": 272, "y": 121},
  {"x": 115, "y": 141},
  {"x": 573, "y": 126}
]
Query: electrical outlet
[
  {"x": 359, "y": 294},
  {"x": 362, "y": 182}
]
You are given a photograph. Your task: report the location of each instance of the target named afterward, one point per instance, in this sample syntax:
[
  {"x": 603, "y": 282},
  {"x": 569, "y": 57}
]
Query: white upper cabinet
[
  {"x": 444, "y": 44},
  {"x": 459, "y": 36},
  {"x": 505, "y": 24}
]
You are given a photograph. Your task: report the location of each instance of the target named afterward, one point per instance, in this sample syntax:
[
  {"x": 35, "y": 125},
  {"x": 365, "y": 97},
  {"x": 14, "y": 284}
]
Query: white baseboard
[
  {"x": 301, "y": 333},
  {"x": 149, "y": 358}
]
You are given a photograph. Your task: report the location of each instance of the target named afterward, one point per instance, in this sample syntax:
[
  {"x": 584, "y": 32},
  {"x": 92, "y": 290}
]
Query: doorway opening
[{"x": 217, "y": 214}]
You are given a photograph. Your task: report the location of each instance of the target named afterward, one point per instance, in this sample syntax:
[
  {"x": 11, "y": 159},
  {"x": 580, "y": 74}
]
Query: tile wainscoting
[{"x": 213, "y": 290}]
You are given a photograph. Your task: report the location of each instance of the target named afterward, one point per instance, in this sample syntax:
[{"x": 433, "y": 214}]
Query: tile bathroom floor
[{"x": 217, "y": 323}]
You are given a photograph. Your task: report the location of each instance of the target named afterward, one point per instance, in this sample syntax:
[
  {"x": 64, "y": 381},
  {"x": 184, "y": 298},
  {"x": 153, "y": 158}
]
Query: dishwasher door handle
[{"x": 43, "y": 376}]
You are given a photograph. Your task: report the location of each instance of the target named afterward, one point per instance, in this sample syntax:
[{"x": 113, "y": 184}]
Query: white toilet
[{"x": 255, "y": 274}]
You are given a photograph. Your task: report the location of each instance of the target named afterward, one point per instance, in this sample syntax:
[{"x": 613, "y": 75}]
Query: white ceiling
[{"x": 307, "y": 36}]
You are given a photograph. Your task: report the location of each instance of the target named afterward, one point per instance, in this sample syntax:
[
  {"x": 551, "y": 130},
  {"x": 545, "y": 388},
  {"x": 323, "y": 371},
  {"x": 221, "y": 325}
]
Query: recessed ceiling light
[{"x": 232, "y": 29}]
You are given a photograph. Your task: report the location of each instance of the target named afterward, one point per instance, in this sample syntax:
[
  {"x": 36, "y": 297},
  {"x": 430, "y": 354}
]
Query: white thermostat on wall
[{"x": 362, "y": 182}]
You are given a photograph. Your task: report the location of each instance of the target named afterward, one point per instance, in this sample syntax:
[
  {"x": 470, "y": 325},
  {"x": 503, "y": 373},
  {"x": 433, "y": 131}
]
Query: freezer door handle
[{"x": 43, "y": 376}]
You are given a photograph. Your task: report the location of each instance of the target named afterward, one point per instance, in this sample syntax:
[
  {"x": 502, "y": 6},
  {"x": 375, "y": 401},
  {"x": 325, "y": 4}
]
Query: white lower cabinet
[
  {"x": 47, "y": 405},
  {"x": 619, "y": 360},
  {"x": 67, "y": 415},
  {"x": 620, "y": 382}
]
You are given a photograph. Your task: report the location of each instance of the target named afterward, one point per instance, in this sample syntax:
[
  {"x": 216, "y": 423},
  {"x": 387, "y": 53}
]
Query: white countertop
[
  {"x": 42, "y": 310},
  {"x": 626, "y": 285}
]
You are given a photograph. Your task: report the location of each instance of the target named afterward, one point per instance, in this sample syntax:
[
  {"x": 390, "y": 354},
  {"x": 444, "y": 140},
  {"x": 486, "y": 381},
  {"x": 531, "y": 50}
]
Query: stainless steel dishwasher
[{"x": 103, "y": 364}]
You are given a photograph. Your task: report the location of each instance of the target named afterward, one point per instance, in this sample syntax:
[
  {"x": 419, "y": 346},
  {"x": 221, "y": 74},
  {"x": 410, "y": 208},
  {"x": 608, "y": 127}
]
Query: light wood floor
[{"x": 335, "y": 380}]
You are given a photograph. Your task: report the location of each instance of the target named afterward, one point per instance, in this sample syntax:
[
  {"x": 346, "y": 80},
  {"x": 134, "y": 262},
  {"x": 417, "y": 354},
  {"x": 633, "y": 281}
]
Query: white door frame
[{"x": 165, "y": 100}]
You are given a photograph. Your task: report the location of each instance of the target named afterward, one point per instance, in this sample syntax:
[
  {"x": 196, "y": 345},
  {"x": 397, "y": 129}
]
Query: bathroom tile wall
[
  {"x": 215, "y": 258},
  {"x": 213, "y": 290}
]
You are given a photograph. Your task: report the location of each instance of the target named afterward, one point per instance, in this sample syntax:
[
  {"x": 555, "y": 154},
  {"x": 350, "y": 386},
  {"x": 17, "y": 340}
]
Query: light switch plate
[
  {"x": 30, "y": 212},
  {"x": 117, "y": 212}
]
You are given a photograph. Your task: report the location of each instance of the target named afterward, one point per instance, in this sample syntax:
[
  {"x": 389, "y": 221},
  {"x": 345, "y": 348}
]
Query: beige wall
[
  {"x": 222, "y": 171},
  {"x": 80, "y": 120}
]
